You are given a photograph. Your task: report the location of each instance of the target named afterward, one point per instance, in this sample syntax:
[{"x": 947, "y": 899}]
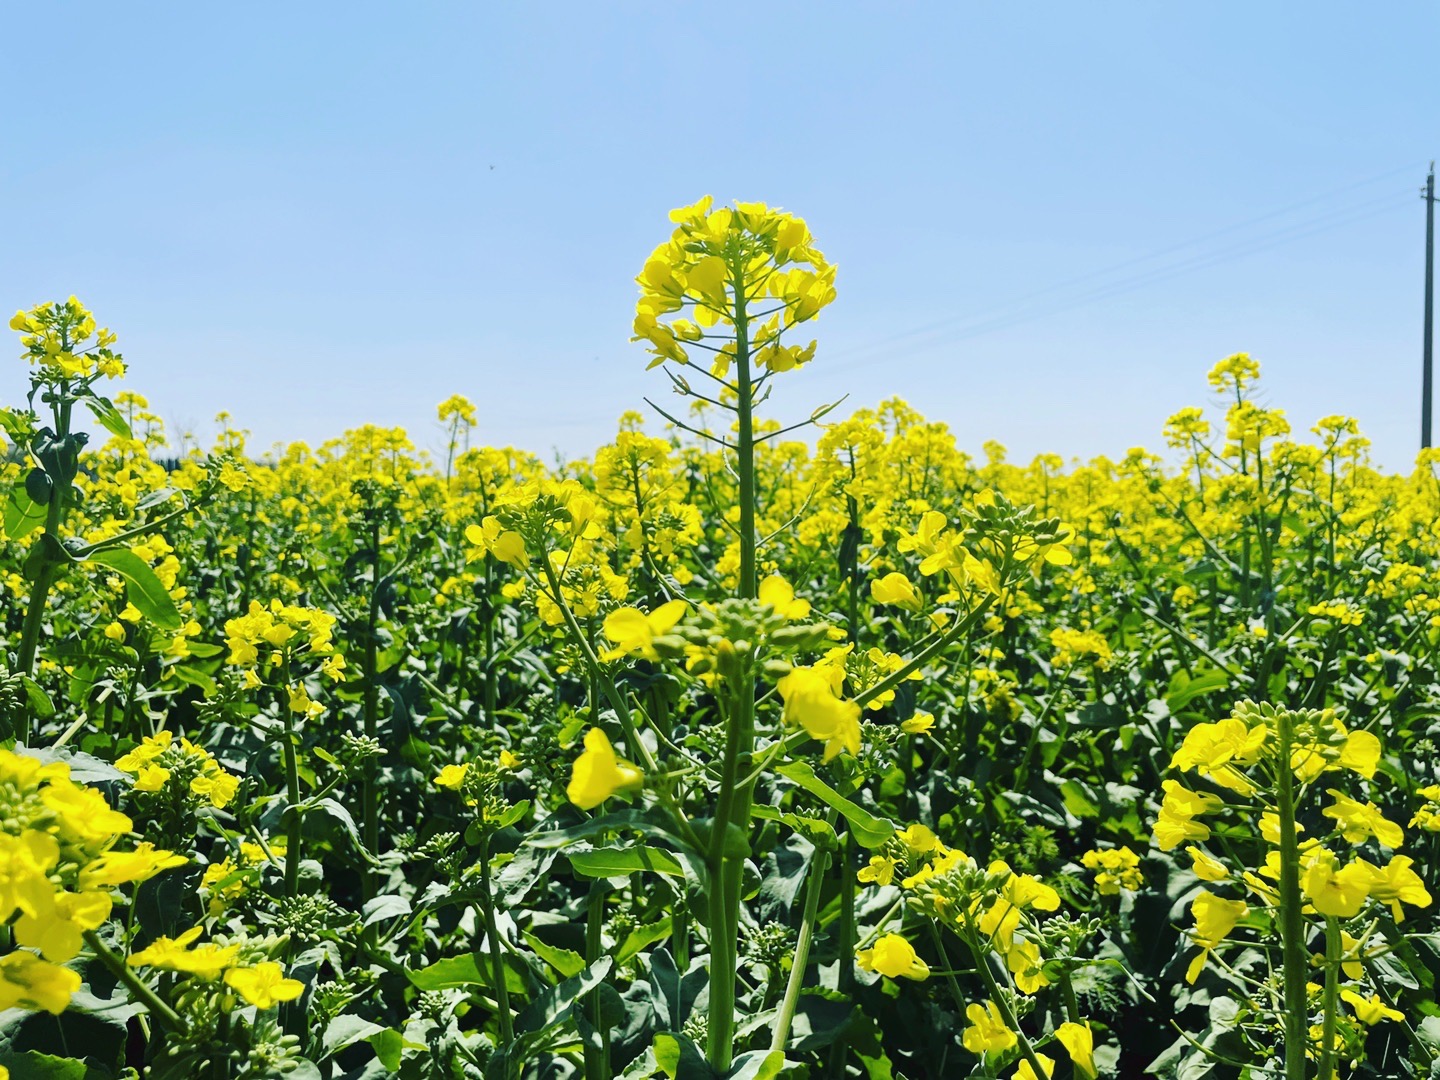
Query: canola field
[{"x": 738, "y": 749}]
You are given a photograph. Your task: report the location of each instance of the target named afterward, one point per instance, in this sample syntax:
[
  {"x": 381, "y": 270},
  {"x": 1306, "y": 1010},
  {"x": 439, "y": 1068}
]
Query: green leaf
[
  {"x": 453, "y": 971},
  {"x": 142, "y": 587},
  {"x": 757, "y": 1065},
  {"x": 23, "y": 515},
  {"x": 383, "y": 907},
  {"x": 641, "y": 938},
  {"x": 618, "y": 862},
  {"x": 346, "y": 1031},
  {"x": 869, "y": 831},
  {"x": 566, "y": 961},
  {"x": 110, "y": 418},
  {"x": 33, "y": 1065},
  {"x": 679, "y": 1058},
  {"x": 1184, "y": 688}
]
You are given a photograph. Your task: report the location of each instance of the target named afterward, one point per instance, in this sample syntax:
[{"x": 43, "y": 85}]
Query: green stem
[
  {"x": 819, "y": 862},
  {"x": 45, "y": 576},
  {"x": 369, "y": 793},
  {"x": 1333, "y": 949},
  {"x": 293, "y": 832},
  {"x": 734, "y": 799},
  {"x": 497, "y": 953},
  {"x": 1292, "y": 924},
  {"x": 597, "y": 1058},
  {"x": 1001, "y": 1000},
  {"x": 167, "y": 1016}
]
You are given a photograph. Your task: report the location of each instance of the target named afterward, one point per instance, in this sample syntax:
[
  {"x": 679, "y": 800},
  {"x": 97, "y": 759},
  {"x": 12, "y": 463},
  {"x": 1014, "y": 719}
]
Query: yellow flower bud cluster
[
  {"x": 63, "y": 339},
  {"x": 262, "y": 984},
  {"x": 58, "y": 865},
  {"x": 749, "y": 262},
  {"x": 281, "y": 629},
  {"x": 160, "y": 758}
]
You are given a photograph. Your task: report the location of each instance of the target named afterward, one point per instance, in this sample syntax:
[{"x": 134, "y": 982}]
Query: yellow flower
[
  {"x": 598, "y": 773},
  {"x": 635, "y": 632},
  {"x": 896, "y": 588},
  {"x": 119, "y": 867},
  {"x": 987, "y": 1032},
  {"x": 811, "y": 703},
  {"x": 58, "y": 932},
  {"x": 1359, "y": 821},
  {"x": 1394, "y": 882},
  {"x": 881, "y": 870},
  {"x": 452, "y": 776},
  {"x": 1025, "y": 1072},
  {"x": 174, "y": 954},
  {"x": 892, "y": 955},
  {"x": 780, "y": 595},
  {"x": 1205, "y": 866},
  {"x": 1214, "y": 918},
  {"x": 25, "y": 863},
  {"x": 27, "y": 982},
  {"x": 918, "y": 724},
  {"x": 508, "y": 760},
  {"x": 1334, "y": 890},
  {"x": 263, "y": 984},
  {"x": 1079, "y": 1043},
  {"x": 1370, "y": 1011},
  {"x": 492, "y": 538}
]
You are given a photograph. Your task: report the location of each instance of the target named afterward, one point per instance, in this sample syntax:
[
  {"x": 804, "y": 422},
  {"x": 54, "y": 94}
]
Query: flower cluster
[{"x": 58, "y": 866}]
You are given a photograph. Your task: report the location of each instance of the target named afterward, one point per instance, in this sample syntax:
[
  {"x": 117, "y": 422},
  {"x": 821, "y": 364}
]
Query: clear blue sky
[{"x": 317, "y": 215}]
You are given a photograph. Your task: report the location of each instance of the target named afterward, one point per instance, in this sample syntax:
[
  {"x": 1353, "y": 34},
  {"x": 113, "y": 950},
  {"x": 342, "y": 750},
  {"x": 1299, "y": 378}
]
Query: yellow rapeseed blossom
[
  {"x": 892, "y": 955},
  {"x": 598, "y": 773}
]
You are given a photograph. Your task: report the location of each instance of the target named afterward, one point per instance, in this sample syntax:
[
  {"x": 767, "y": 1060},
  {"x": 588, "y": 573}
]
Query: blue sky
[{"x": 319, "y": 215}]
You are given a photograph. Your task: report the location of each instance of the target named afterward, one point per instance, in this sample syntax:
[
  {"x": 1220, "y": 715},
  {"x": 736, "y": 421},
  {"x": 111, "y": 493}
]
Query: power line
[
  {"x": 1125, "y": 285},
  {"x": 1008, "y": 310}
]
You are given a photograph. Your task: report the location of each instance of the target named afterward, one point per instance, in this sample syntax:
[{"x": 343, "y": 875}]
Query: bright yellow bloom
[
  {"x": 918, "y": 724},
  {"x": 1214, "y": 918},
  {"x": 1359, "y": 821},
  {"x": 1079, "y": 1043},
  {"x": 452, "y": 776},
  {"x": 892, "y": 955},
  {"x": 174, "y": 954},
  {"x": 1395, "y": 882},
  {"x": 987, "y": 1032},
  {"x": 896, "y": 588},
  {"x": 27, "y": 982},
  {"x": 59, "y": 932},
  {"x": 119, "y": 867},
  {"x": 1205, "y": 866},
  {"x": 264, "y": 984},
  {"x": 598, "y": 773},
  {"x": 880, "y": 870},
  {"x": 1370, "y": 1010},
  {"x": 1119, "y": 869},
  {"x": 811, "y": 703},
  {"x": 780, "y": 595},
  {"x": 1025, "y": 1072},
  {"x": 1335, "y": 890},
  {"x": 635, "y": 632}
]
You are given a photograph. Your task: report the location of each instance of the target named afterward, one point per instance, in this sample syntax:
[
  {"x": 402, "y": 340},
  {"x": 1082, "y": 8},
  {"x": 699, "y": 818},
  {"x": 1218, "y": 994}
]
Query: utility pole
[{"x": 1427, "y": 377}]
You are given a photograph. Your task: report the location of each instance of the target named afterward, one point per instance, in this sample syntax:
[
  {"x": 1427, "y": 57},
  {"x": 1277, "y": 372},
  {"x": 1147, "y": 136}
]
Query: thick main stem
[
  {"x": 1292, "y": 923},
  {"x": 733, "y": 806},
  {"x": 1334, "y": 946},
  {"x": 45, "y": 576},
  {"x": 597, "y": 1057}
]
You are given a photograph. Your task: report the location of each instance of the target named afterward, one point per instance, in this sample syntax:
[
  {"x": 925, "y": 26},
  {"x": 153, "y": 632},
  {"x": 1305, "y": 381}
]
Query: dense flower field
[{"x": 736, "y": 750}]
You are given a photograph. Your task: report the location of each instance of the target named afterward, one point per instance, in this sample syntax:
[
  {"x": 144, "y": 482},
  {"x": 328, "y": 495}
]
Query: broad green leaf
[
  {"x": 449, "y": 973},
  {"x": 142, "y": 587},
  {"x": 641, "y": 938},
  {"x": 33, "y": 1065},
  {"x": 383, "y": 907},
  {"x": 1184, "y": 688},
  {"x": 23, "y": 515},
  {"x": 869, "y": 831},
  {"x": 618, "y": 862},
  {"x": 566, "y": 961},
  {"x": 110, "y": 418},
  {"x": 346, "y": 1031}
]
